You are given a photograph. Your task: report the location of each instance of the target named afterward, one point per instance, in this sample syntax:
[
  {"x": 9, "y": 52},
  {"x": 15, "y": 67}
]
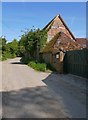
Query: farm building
[{"x": 60, "y": 39}]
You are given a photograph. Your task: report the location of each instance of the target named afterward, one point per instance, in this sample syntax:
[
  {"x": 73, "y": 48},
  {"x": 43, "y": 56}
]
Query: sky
[{"x": 19, "y": 16}]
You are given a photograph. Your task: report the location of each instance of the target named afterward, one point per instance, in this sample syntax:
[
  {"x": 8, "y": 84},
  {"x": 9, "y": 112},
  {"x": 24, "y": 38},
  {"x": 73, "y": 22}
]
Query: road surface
[{"x": 27, "y": 93}]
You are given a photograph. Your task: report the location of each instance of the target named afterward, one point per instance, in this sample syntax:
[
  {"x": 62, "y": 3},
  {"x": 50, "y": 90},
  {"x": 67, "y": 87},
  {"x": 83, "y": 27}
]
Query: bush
[
  {"x": 37, "y": 66},
  {"x": 41, "y": 67},
  {"x": 32, "y": 64},
  {"x": 7, "y": 55},
  {"x": 25, "y": 60},
  {"x": 3, "y": 58},
  {"x": 13, "y": 55}
]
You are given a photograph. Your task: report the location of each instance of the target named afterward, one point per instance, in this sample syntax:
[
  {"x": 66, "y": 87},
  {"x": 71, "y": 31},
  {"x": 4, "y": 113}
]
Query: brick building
[{"x": 60, "y": 39}]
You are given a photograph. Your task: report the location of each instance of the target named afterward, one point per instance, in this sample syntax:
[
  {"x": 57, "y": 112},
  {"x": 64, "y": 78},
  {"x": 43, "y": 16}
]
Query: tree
[
  {"x": 12, "y": 47},
  {"x": 3, "y": 44},
  {"x": 33, "y": 41}
]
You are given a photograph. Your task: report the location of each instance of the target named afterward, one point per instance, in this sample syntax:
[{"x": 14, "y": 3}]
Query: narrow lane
[{"x": 28, "y": 94}]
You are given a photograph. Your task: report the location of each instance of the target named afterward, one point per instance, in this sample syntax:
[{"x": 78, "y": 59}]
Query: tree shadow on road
[
  {"x": 17, "y": 63},
  {"x": 51, "y": 101},
  {"x": 35, "y": 102}
]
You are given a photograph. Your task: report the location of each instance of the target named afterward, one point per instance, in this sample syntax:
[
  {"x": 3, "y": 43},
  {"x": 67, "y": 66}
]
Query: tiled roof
[
  {"x": 82, "y": 42},
  {"x": 61, "y": 41}
]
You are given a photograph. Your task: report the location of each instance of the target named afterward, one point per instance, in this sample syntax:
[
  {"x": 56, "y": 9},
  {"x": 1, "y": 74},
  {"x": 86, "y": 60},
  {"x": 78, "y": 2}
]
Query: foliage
[
  {"x": 8, "y": 50},
  {"x": 37, "y": 66},
  {"x": 12, "y": 47},
  {"x": 3, "y": 41},
  {"x": 22, "y": 45},
  {"x": 0, "y": 48},
  {"x": 25, "y": 60},
  {"x": 7, "y": 55},
  {"x": 33, "y": 41},
  {"x": 34, "y": 64}
]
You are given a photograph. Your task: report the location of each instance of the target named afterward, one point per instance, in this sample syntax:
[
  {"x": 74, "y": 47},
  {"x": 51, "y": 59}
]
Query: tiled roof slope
[
  {"x": 82, "y": 42},
  {"x": 61, "y": 41}
]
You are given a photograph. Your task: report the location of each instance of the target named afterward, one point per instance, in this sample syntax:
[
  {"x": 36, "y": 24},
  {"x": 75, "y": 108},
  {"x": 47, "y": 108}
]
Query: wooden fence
[{"x": 76, "y": 62}]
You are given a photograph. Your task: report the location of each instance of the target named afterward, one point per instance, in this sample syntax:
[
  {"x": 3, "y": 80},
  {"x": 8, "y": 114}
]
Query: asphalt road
[{"x": 27, "y": 93}]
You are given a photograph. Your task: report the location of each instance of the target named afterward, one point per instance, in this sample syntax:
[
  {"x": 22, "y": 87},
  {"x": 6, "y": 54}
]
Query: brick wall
[
  {"x": 56, "y": 63},
  {"x": 57, "y": 27}
]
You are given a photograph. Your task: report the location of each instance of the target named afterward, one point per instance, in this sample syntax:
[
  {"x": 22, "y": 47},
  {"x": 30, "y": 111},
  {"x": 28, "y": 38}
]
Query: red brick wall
[{"x": 57, "y": 27}]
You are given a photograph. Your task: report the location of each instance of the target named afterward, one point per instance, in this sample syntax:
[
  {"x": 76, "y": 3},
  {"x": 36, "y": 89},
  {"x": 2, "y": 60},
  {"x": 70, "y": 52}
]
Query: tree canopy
[{"x": 33, "y": 40}]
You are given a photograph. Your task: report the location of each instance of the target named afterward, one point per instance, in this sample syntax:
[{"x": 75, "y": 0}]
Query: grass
[{"x": 36, "y": 65}]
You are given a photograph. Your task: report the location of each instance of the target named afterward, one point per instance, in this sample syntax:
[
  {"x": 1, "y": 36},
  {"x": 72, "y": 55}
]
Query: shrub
[
  {"x": 37, "y": 66},
  {"x": 32, "y": 64},
  {"x": 7, "y": 55},
  {"x": 3, "y": 58},
  {"x": 25, "y": 60},
  {"x": 13, "y": 55},
  {"x": 41, "y": 67}
]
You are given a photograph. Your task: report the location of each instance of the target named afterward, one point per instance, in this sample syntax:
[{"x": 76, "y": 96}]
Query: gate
[{"x": 76, "y": 62}]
